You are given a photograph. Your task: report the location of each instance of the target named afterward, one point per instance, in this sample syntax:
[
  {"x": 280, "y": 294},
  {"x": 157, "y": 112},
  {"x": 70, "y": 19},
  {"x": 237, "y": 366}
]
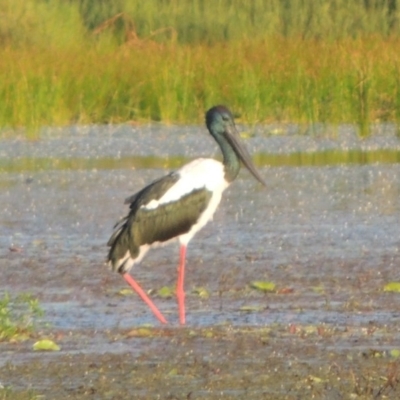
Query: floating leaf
[
  {"x": 374, "y": 353},
  {"x": 165, "y": 292},
  {"x": 310, "y": 329},
  {"x": 202, "y": 292},
  {"x": 276, "y": 131},
  {"x": 125, "y": 292},
  {"x": 378, "y": 354},
  {"x": 395, "y": 353},
  {"x": 318, "y": 289},
  {"x": 263, "y": 286},
  {"x": 392, "y": 287},
  {"x": 314, "y": 379},
  {"x": 246, "y": 134},
  {"x": 173, "y": 372},
  {"x": 46, "y": 344},
  {"x": 141, "y": 332},
  {"x": 251, "y": 308},
  {"x": 209, "y": 334}
]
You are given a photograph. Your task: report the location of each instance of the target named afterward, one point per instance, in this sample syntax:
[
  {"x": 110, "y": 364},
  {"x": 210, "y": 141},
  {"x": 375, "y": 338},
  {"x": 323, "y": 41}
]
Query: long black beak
[{"x": 232, "y": 136}]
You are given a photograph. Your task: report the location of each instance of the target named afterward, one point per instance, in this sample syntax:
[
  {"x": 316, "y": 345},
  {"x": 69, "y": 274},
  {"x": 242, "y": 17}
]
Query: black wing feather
[
  {"x": 146, "y": 226},
  {"x": 169, "y": 220},
  {"x": 154, "y": 191}
]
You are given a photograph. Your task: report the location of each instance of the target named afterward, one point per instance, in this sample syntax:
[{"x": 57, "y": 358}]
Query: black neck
[{"x": 231, "y": 161}]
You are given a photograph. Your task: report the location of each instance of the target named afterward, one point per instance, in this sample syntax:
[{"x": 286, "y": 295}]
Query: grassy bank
[
  {"x": 276, "y": 79},
  {"x": 168, "y": 61}
]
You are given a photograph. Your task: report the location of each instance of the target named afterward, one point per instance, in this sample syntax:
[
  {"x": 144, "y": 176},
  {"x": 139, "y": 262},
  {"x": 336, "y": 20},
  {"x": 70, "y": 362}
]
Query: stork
[{"x": 178, "y": 205}]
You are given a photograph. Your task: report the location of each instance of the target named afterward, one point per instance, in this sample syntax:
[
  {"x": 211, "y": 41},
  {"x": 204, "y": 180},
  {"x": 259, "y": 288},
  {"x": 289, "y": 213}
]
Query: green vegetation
[
  {"x": 17, "y": 316},
  {"x": 10, "y": 394},
  {"x": 102, "y": 61},
  {"x": 297, "y": 159}
]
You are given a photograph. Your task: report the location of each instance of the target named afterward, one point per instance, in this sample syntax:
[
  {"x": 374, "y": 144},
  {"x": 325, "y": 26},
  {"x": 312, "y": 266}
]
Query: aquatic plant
[{"x": 17, "y": 315}]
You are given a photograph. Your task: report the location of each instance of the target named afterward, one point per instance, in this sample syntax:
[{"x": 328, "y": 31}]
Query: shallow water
[
  {"x": 306, "y": 217},
  {"x": 327, "y": 235}
]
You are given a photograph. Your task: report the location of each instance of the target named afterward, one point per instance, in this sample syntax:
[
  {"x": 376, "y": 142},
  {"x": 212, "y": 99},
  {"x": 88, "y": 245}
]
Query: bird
[{"x": 178, "y": 205}]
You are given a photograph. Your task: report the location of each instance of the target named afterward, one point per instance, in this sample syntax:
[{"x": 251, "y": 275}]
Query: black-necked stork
[{"x": 178, "y": 205}]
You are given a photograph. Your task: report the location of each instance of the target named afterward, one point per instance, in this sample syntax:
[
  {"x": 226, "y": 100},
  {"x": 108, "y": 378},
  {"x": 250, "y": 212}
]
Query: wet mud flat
[
  {"x": 327, "y": 237},
  {"x": 219, "y": 362}
]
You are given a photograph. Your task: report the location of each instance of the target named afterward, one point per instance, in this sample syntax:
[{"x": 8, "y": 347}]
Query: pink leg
[
  {"x": 180, "y": 293},
  {"x": 144, "y": 297}
]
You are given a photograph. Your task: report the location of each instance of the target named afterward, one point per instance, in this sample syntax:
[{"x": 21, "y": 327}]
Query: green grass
[
  {"x": 17, "y": 315},
  {"x": 9, "y": 393},
  {"x": 114, "y": 61}
]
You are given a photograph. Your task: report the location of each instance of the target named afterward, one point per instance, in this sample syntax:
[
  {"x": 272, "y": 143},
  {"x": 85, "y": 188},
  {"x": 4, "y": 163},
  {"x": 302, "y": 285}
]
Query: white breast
[{"x": 200, "y": 173}]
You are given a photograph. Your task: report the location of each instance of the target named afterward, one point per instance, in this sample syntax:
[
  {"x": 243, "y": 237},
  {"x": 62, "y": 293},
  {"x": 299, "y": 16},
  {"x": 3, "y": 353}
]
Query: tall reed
[{"x": 99, "y": 61}]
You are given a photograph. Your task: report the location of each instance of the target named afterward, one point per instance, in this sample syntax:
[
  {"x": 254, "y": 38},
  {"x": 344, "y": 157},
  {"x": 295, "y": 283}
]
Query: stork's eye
[{"x": 225, "y": 118}]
